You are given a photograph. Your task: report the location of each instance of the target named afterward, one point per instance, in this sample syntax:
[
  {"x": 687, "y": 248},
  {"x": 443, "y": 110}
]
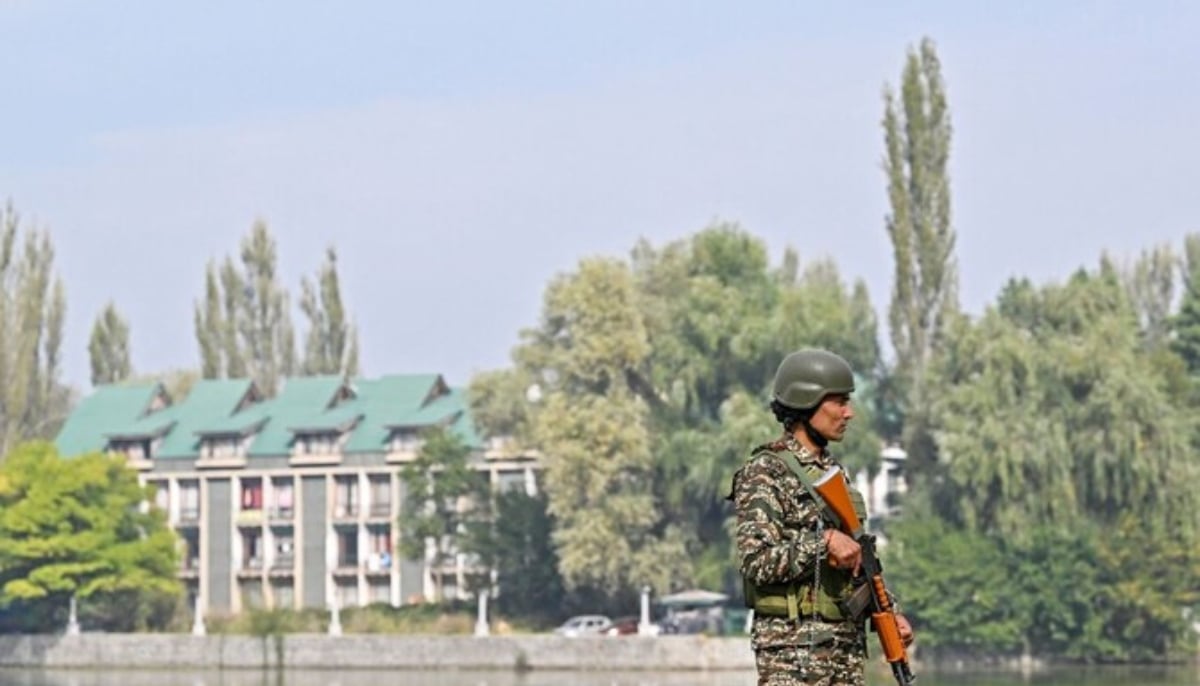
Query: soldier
[{"x": 796, "y": 565}]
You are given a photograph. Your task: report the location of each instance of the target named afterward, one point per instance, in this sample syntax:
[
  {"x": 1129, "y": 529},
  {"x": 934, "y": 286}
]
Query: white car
[{"x": 584, "y": 625}]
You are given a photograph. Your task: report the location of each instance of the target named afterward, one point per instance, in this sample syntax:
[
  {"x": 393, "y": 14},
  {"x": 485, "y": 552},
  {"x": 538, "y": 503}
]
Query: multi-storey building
[{"x": 290, "y": 501}]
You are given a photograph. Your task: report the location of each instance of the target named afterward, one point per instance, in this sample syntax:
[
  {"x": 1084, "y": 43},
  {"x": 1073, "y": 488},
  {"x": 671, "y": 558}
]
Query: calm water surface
[{"x": 1109, "y": 676}]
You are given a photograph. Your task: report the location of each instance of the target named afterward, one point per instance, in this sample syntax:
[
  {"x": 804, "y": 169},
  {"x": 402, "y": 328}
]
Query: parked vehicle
[
  {"x": 623, "y": 626},
  {"x": 584, "y": 625}
]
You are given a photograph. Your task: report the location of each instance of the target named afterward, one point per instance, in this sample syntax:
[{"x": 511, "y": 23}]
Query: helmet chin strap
[{"x": 814, "y": 435}]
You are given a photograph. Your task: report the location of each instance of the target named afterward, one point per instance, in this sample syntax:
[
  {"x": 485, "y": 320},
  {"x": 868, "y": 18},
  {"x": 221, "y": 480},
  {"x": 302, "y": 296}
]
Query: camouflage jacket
[{"x": 779, "y": 537}]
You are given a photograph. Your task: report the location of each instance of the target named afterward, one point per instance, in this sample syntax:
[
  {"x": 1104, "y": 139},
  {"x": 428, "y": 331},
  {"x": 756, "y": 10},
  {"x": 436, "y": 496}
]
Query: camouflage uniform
[{"x": 780, "y": 540}]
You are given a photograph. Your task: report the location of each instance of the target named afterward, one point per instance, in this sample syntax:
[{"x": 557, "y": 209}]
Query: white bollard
[
  {"x": 198, "y": 619},
  {"x": 335, "y": 620},
  {"x": 72, "y": 620},
  {"x": 481, "y": 622},
  {"x": 645, "y": 628}
]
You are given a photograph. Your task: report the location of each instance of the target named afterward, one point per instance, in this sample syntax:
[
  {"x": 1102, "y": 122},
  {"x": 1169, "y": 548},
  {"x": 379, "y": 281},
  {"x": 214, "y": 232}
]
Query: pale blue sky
[{"x": 461, "y": 154}]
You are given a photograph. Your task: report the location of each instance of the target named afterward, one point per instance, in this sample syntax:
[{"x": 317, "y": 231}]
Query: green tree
[
  {"x": 660, "y": 369},
  {"x": 177, "y": 382},
  {"x": 75, "y": 527},
  {"x": 917, "y": 135},
  {"x": 33, "y": 402},
  {"x": 108, "y": 348},
  {"x": 244, "y": 327},
  {"x": 955, "y": 587},
  {"x": 516, "y": 542},
  {"x": 1186, "y": 322},
  {"x": 1150, "y": 284},
  {"x": 1073, "y": 374},
  {"x": 444, "y": 496},
  {"x": 591, "y": 426},
  {"x": 211, "y": 327},
  {"x": 332, "y": 343}
]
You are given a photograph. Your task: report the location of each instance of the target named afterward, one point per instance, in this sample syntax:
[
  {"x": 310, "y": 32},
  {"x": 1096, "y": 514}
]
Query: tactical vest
[{"x": 800, "y": 599}]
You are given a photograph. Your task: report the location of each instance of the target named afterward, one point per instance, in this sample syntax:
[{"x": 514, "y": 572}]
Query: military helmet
[{"x": 805, "y": 377}]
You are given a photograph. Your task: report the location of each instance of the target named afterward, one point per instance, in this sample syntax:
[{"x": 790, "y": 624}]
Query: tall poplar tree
[
  {"x": 244, "y": 327},
  {"x": 331, "y": 346},
  {"x": 108, "y": 347},
  {"x": 33, "y": 403},
  {"x": 917, "y": 133},
  {"x": 1150, "y": 284},
  {"x": 1186, "y": 322}
]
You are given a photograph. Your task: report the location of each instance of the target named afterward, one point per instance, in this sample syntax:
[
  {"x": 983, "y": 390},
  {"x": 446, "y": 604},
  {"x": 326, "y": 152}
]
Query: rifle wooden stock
[{"x": 831, "y": 486}]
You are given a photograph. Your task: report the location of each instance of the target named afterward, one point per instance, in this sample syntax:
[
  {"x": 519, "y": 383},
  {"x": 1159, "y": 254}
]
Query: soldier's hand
[
  {"x": 844, "y": 552},
  {"x": 906, "y": 632}
]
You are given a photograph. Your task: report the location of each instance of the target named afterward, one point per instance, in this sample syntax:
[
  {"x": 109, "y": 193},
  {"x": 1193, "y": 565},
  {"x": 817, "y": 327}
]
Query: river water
[{"x": 1106, "y": 676}]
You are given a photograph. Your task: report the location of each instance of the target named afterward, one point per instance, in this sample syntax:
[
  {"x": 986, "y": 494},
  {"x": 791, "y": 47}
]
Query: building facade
[{"x": 291, "y": 501}]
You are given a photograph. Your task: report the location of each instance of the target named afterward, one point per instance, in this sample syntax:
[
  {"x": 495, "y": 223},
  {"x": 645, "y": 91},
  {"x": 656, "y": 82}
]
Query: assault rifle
[{"x": 832, "y": 488}]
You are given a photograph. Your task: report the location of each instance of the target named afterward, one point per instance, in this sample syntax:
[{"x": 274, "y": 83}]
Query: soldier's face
[{"x": 832, "y": 417}]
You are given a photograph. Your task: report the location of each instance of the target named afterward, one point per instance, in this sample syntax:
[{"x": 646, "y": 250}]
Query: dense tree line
[{"x": 1052, "y": 438}]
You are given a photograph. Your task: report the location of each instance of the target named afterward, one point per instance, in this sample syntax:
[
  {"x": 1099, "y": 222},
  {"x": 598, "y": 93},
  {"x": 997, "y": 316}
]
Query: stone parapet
[{"x": 375, "y": 651}]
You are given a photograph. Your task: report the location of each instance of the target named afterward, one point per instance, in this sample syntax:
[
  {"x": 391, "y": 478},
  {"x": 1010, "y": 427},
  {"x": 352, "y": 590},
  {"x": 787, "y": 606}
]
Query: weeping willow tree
[
  {"x": 652, "y": 379},
  {"x": 1050, "y": 410}
]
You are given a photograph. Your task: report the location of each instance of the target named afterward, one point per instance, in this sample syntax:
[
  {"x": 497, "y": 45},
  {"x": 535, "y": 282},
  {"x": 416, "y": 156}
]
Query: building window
[
  {"x": 190, "y": 551},
  {"x": 285, "y": 549},
  {"x": 345, "y": 497},
  {"x": 284, "y": 497},
  {"x": 189, "y": 501},
  {"x": 284, "y": 594},
  {"x": 162, "y": 495},
  {"x": 252, "y": 494},
  {"x": 406, "y": 441},
  {"x": 380, "y": 538},
  {"x": 221, "y": 447},
  {"x": 316, "y": 444},
  {"x": 347, "y": 593},
  {"x": 251, "y": 550},
  {"x": 381, "y": 496},
  {"x": 381, "y": 591},
  {"x": 347, "y": 544},
  {"x": 510, "y": 480},
  {"x": 252, "y": 594}
]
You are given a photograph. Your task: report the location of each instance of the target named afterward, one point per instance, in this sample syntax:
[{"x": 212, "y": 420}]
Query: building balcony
[
  {"x": 345, "y": 512},
  {"x": 189, "y": 516},
  {"x": 380, "y": 511},
  {"x": 346, "y": 568},
  {"x": 282, "y": 514},
  {"x": 299, "y": 459},
  {"x": 249, "y": 518},
  {"x": 283, "y": 565},
  {"x": 379, "y": 564},
  {"x": 400, "y": 455},
  {"x": 221, "y": 462},
  {"x": 251, "y": 567},
  {"x": 189, "y": 569}
]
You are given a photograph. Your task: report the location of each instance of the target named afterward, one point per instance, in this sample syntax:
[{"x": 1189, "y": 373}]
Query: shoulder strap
[{"x": 806, "y": 479}]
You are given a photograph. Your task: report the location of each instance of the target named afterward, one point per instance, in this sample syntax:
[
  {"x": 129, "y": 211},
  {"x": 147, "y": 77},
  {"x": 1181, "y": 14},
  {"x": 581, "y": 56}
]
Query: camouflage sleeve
[{"x": 771, "y": 552}]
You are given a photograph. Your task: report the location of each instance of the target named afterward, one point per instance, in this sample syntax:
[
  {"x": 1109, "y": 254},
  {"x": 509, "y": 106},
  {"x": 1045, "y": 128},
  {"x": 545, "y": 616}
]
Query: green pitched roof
[
  {"x": 210, "y": 401},
  {"x": 301, "y": 399},
  {"x": 384, "y": 403},
  {"x": 372, "y": 407},
  {"x": 98, "y": 415},
  {"x": 339, "y": 418}
]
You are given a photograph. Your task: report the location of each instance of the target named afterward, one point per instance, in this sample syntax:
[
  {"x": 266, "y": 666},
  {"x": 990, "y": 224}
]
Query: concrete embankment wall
[{"x": 307, "y": 651}]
